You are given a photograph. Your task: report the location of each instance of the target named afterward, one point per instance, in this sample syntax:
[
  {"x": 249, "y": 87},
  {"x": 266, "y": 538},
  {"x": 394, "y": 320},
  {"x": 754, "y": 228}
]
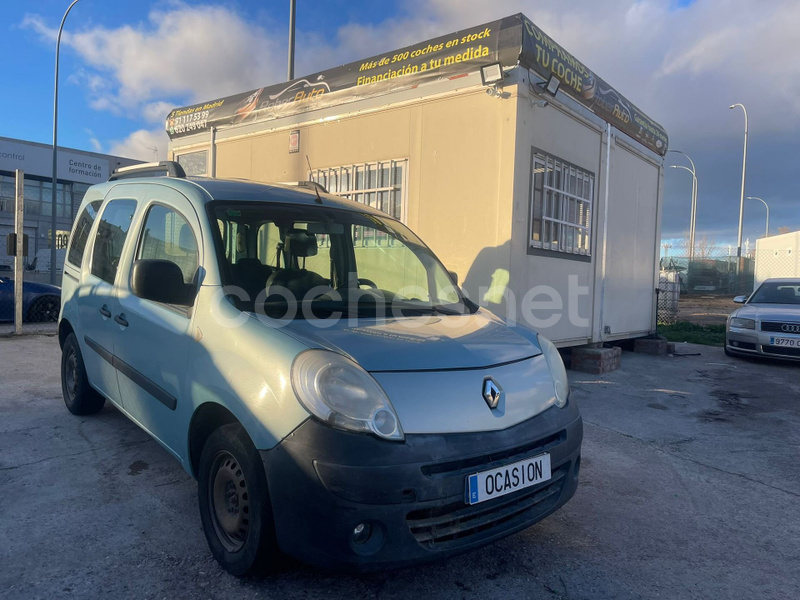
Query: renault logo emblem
[
  {"x": 491, "y": 392},
  {"x": 790, "y": 328}
]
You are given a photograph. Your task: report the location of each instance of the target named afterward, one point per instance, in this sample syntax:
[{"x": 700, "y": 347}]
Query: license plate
[
  {"x": 782, "y": 341},
  {"x": 509, "y": 478}
]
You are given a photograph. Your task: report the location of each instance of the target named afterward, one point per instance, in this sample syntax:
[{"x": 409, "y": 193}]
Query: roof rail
[
  {"x": 306, "y": 184},
  {"x": 165, "y": 168}
]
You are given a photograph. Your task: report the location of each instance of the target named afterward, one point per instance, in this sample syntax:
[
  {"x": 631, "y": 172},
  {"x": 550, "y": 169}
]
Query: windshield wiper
[{"x": 426, "y": 309}]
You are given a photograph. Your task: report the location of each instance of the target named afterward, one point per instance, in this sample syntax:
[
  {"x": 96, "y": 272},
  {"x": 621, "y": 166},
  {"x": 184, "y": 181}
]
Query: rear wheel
[
  {"x": 80, "y": 397},
  {"x": 234, "y": 503},
  {"x": 44, "y": 310}
]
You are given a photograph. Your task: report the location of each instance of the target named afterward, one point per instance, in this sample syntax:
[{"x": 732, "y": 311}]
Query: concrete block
[
  {"x": 670, "y": 347},
  {"x": 596, "y": 360},
  {"x": 650, "y": 345}
]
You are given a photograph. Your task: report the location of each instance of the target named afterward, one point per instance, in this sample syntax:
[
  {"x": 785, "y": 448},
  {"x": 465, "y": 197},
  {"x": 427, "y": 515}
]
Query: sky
[{"x": 126, "y": 63}]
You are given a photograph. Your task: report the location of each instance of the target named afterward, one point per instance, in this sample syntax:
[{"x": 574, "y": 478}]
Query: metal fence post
[{"x": 19, "y": 259}]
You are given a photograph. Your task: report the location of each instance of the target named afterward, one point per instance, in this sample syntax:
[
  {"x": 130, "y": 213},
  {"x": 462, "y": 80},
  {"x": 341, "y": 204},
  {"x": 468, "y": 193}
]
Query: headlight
[
  {"x": 557, "y": 370},
  {"x": 743, "y": 323},
  {"x": 339, "y": 392}
]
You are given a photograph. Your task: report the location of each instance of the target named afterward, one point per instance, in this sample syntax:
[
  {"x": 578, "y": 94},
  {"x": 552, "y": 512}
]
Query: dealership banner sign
[
  {"x": 542, "y": 55},
  {"x": 510, "y": 41}
]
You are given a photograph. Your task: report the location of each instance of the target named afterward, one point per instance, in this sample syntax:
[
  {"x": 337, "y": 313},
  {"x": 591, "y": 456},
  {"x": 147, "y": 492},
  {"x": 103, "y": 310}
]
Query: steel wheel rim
[
  {"x": 229, "y": 501},
  {"x": 71, "y": 374}
]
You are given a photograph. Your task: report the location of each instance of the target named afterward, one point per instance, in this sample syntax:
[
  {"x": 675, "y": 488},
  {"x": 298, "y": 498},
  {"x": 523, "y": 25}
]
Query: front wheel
[{"x": 234, "y": 503}]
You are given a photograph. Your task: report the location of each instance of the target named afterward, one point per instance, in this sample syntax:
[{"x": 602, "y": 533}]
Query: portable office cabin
[
  {"x": 777, "y": 256},
  {"x": 506, "y": 182}
]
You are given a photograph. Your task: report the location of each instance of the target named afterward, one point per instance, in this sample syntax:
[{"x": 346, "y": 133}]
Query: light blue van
[{"x": 312, "y": 363}]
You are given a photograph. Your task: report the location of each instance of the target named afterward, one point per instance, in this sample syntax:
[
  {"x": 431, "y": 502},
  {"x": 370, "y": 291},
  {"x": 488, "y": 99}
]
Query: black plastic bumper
[{"x": 410, "y": 496}]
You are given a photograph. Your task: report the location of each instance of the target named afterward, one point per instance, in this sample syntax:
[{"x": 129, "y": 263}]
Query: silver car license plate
[{"x": 784, "y": 341}]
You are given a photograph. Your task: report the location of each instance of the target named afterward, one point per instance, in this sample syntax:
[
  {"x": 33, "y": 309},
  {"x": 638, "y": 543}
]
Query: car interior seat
[{"x": 299, "y": 244}]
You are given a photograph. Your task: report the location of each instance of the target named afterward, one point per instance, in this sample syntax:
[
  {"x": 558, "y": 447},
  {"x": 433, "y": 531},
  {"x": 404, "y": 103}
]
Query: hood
[
  {"x": 769, "y": 312},
  {"x": 429, "y": 343}
]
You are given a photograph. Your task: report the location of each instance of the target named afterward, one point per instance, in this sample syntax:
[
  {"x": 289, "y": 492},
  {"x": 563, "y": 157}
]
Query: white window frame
[
  {"x": 565, "y": 200},
  {"x": 343, "y": 181}
]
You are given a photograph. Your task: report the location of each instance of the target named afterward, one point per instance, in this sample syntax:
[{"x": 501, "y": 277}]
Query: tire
[
  {"x": 44, "y": 310},
  {"x": 80, "y": 397},
  {"x": 234, "y": 503}
]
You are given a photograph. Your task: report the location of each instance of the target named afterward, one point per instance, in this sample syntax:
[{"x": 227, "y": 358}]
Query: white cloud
[
  {"x": 195, "y": 51},
  {"x": 144, "y": 144},
  {"x": 156, "y": 112}
]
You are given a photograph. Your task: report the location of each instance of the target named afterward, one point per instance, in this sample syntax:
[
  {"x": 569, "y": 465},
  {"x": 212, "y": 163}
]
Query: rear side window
[
  {"x": 81, "y": 234},
  {"x": 111, "y": 234},
  {"x": 167, "y": 236}
]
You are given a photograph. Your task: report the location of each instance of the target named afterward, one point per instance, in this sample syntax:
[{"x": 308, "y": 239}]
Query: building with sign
[
  {"x": 529, "y": 175},
  {"x": 77, "y": 170}
]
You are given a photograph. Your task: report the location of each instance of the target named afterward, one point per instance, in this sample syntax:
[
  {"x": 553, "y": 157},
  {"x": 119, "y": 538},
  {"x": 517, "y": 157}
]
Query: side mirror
[
  {"x": 740, "y": 299},
  {"x": 454, "y": 276},
  {"x": 161, "y": 281}
]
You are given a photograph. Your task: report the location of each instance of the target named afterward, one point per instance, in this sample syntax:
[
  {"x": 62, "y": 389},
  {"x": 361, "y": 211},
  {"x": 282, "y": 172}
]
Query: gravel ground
[
  {"x": 690, "y": 489},
  {"x": 705, "y": 310}
]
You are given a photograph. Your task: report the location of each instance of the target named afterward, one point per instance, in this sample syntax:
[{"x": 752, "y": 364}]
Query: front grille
[
  {"x": 781, "y": 350},
  {"x": 777, "y": 326},
  {"x": 467, "y": 466},
  {"x": 455, "y": 524}
]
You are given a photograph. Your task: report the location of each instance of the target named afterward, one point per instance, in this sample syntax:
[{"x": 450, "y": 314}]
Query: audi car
[{"x": 768, "y": 322}]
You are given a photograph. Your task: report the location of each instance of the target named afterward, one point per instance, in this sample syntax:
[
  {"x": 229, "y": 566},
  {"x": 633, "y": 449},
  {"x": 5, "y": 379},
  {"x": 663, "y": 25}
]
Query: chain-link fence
[
  {"x": 667, "y": 297},
  {"x": 715, "y": 275}
]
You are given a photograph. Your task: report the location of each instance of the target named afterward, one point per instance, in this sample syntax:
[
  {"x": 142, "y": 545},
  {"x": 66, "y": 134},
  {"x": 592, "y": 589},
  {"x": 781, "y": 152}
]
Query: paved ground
[{"x": 690, "y": 489}]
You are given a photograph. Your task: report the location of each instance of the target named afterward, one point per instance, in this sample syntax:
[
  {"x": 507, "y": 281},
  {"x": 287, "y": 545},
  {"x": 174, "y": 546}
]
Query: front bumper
[
  {"x": 753, "y": 342},
  {"x": 411, "y": 495}
]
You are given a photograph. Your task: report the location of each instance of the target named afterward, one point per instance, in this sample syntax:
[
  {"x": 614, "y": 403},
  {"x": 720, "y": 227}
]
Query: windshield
[
  {"x": 776, "y": 293},
  {"x": 314, "y": 261}
]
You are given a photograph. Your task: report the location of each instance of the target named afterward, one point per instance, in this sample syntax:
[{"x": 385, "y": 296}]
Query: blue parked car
[{"x": 40, "y": 301}]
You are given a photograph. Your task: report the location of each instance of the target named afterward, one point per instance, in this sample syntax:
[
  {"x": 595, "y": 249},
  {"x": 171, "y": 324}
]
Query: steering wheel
[{"x": 367, "y": 282}]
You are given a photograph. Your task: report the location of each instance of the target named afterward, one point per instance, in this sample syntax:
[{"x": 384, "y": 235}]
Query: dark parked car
[{"x": 40, "y": 301}]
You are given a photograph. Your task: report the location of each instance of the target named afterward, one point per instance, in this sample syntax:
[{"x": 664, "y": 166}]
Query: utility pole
[
  {"x": 292, "y": 12},
  {"x": 19, "y": 250}
]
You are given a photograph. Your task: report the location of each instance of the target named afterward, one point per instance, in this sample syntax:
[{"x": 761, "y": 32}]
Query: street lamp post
[
  {"x": 55, "y": 155},
  {"x": 741, "y": 200},
  {"x": 693, "y": 217},
  {"x": 766, "y": 231}
]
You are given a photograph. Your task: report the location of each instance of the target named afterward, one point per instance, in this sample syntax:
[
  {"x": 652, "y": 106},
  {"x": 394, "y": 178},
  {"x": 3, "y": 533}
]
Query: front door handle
[
  {"x": 105, "y": 312},
  {"x": 121, "y": 320}
]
